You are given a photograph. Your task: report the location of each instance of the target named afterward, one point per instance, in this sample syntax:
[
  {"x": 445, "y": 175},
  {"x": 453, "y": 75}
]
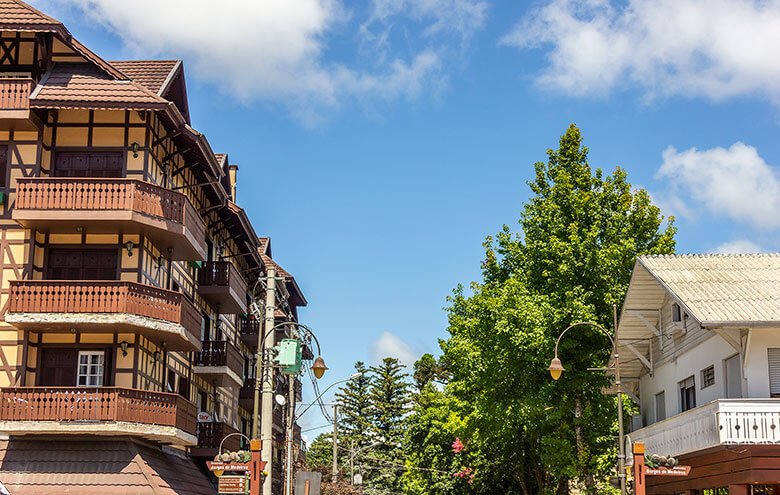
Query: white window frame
[{"x": 98, "y": 375}]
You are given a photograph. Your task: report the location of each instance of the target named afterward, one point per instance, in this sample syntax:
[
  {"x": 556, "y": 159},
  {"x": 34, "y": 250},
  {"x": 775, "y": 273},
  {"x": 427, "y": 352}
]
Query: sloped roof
[
  {"x": 15, "y": 15},
  {"x": 70, "y": 85},
  {"x": 96, "y": 467},
  {"x": 722, "y": 288},
  {"x": 154, "y": 75}
]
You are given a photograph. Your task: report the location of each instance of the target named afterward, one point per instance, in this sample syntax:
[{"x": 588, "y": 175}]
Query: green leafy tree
[
  {"x": 427, "y": 370},
  {"x": 581, "y": 232}
]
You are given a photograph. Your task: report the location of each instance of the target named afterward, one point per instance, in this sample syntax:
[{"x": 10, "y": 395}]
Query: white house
[{"x": 699, "y": 344}]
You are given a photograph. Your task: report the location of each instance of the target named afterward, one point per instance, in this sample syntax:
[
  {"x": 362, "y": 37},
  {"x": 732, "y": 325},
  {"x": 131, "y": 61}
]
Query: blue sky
[{"x": 380, "y": 141}]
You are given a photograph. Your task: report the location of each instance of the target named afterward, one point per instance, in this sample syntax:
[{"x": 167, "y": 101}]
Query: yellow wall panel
[
  {"x": 124, "y": 380},
  {"x": 127, "y": 337},
  {"x": 108, "y": 136},
  {"x": 125, "y": 361},
  {"x": 70, "y": 136},
  {"x": 17, "y": 234},
  {"x": 137, "y": 135},
  {"x": 109, "y": 116},
  {"x": 5, "y": 135},
  {"x": 12, "y": 354},
  {"x": 97, "y": 338},
  {"x": 102, "y": 238},
  {"x": 26, "y": 136},
  {"x": 135, "y": 163},
  {"x": 59, "y": 338},
  {"x": 65, "y": 238},
  {"x": 18, "y": 250},
  {"x": 32, "y": 357},
  {"x": 28, "y": 153},
  {"x": 73, "y": 116}
]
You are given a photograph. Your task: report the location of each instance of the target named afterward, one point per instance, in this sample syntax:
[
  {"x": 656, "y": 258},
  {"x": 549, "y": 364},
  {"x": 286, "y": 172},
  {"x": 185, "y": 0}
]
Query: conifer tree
[{"x": 355, "y": 410}]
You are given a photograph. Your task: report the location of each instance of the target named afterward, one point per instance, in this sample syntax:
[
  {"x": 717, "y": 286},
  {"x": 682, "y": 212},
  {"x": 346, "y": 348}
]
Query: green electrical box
[{"x": 290, "y": 356}]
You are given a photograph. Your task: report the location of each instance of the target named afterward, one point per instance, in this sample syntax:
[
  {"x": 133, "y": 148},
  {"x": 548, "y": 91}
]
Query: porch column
[{"x": 738, "y": 489}]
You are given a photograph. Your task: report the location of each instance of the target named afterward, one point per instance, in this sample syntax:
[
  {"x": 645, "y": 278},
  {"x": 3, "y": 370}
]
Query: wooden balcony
[
  {"x": 210, "y": 436},
  {"x": 15, "y": 104},
  {"x": 61, "y": 204},
  {"x": 718, "y": 423},
  {"x": 105, "y": 306},
  {"x": 110, "y": 411},
  {"x": 222, "y": 286},
  {"x": 249, "y": 328},
  {"x": 246, "y": 396},
  {"x": 220, "y": 362}
]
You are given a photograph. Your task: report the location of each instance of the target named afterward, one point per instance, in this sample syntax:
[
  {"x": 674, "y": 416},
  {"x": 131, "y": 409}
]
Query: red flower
[{"x": 457, "y": 446}]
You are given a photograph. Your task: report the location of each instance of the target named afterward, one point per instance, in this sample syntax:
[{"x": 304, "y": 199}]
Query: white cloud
[
  {"x": 735, "y": 182},
  {"x": 279, "y": 50},
  {"x": 713, "y": 48},
  {"x": 390, "y": 345},
  {"x": 740, "y": 246}
]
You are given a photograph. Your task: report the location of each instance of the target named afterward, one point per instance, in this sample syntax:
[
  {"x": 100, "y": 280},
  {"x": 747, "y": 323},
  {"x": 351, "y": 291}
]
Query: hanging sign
[
  {"x": 204, "y": 417},
  {"x": 667, "y": 471},
  {"x": 232, "y": 484}
]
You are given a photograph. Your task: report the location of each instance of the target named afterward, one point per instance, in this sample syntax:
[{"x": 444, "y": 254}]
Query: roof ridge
[{"x": 708, "y": 255}]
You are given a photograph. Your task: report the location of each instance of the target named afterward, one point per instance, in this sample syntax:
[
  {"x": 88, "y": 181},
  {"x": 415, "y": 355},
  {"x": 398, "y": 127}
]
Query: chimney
[{"x": 232, "y": 175}]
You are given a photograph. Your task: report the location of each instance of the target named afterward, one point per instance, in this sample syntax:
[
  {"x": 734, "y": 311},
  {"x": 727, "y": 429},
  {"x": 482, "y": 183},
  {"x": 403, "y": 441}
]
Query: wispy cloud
[
  {"x": 734, "y": 182},
  {"x": 715, "y": 49},
  {"x": 390, "y": 345},
  {"x": 280, "y": 51},
  {"x": 739, "y": 246}
]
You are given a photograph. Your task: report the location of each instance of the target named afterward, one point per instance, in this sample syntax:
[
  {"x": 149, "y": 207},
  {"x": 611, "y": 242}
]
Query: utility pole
[
  {"x": 290, "y": 433},
  {"x": 335, "y": 471},
  {"x": 621, "y": 435},
  {"x": 266, "y": 380}
]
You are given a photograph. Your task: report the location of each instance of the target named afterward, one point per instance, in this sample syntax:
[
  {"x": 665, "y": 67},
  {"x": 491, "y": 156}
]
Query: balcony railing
[
  {"x": 249, "y": 328},
  {"x": 720, "y": 422},
  {"x": 221, "y": 284},
  {"x": 15, "y": 93},
  {"x": 221, "y": 359},
  {"x": 166, "y": 216},
  {"x": 211, "y": 434},
  {"x": 32, "y": 303},
  {"x": 95, "y": 404}
]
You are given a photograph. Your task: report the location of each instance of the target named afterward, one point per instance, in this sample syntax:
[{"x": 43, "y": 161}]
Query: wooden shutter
[
  {"x": 81, "y": 264},
  {"x": 58, "y": 368},
  {"x": 88, "y": 164},
  {"x": 774, "y": 371}
]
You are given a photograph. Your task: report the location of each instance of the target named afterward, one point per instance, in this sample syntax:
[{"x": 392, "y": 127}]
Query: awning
[{"x": 97, "y": 467}]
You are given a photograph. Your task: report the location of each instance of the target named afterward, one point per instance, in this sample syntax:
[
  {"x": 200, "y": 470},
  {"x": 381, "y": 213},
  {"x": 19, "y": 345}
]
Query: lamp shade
[
  {"x": 556, "y": 368},
  {"x": 319, "y": 367}
]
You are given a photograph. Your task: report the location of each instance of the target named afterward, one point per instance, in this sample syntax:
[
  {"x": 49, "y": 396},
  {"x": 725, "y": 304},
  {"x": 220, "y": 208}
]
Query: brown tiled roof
[
  {"x": 96, "y": 467},
  {"x": 85, "y": 86},
  {"x": 152, "y": 74},
  {"x": 17, "y": 15}
]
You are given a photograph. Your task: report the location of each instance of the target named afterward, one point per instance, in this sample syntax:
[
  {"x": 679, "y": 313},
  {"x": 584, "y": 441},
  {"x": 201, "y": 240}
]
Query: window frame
[
  {"x": 89, "y": 364},
  {"x": 707, "y": 376},
  {"x": 687, "y": 393}
]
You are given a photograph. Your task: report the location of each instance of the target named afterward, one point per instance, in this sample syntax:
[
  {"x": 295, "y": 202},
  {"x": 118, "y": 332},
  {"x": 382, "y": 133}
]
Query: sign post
[
  {"x": 641, "y": 470},
  {"x": 231, "y": 484}
]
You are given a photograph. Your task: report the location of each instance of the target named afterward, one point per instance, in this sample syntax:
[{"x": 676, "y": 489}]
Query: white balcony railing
[{"x": 720, "y": 422}]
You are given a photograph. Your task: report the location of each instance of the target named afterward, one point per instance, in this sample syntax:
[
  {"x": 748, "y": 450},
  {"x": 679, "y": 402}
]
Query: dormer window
[{"x": 676, "y": 313}]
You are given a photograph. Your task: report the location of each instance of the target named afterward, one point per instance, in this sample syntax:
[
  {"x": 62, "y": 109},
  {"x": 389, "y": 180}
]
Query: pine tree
[
  {"x": 391, "y": 397},
  {"x": 355, "y": 410}
]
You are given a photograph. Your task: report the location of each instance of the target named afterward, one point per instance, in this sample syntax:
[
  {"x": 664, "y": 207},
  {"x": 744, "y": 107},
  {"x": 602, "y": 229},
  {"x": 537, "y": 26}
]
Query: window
[
  {"x": 660, "y": 406},
  {"x": 90, "y": 372},
  {"x": 203, "y": 400},
  {"x": 687, "y": 394},
  {"x": 715, "y": 491},
  {"x": 773, "y": 355},
  {"x": 708, "y": 377},
  {"x": 732, "y": 377},
  {"x": 171, "y": 382},
  {"x": 184, "y": 387},
  {"x": 676, "y": 313},
  {"x": 205, "y": 329}
]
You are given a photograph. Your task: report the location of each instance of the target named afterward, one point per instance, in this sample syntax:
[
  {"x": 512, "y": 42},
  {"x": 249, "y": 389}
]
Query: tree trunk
[{"x": 582, "y": 449}]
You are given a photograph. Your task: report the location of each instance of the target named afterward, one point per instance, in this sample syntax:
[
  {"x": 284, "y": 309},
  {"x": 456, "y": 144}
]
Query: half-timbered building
[{"x": 126, "y": 337}]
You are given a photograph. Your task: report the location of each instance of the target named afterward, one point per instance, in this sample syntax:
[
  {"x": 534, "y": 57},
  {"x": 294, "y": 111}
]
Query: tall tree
[
  {"x": 581, "y": 232},
  {"x": 390, "y": 395},
  {"x": 355, "y": 409}
]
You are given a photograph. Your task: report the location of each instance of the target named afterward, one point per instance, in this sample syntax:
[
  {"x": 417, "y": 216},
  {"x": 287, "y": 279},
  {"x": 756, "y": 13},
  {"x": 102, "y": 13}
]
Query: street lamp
[
  {"x": 556, "y": 370},
  {"x": 318, "y": 367}
]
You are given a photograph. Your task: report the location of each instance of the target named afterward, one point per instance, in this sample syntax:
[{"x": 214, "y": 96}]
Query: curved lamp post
[{"x": 556, "y": 370}]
